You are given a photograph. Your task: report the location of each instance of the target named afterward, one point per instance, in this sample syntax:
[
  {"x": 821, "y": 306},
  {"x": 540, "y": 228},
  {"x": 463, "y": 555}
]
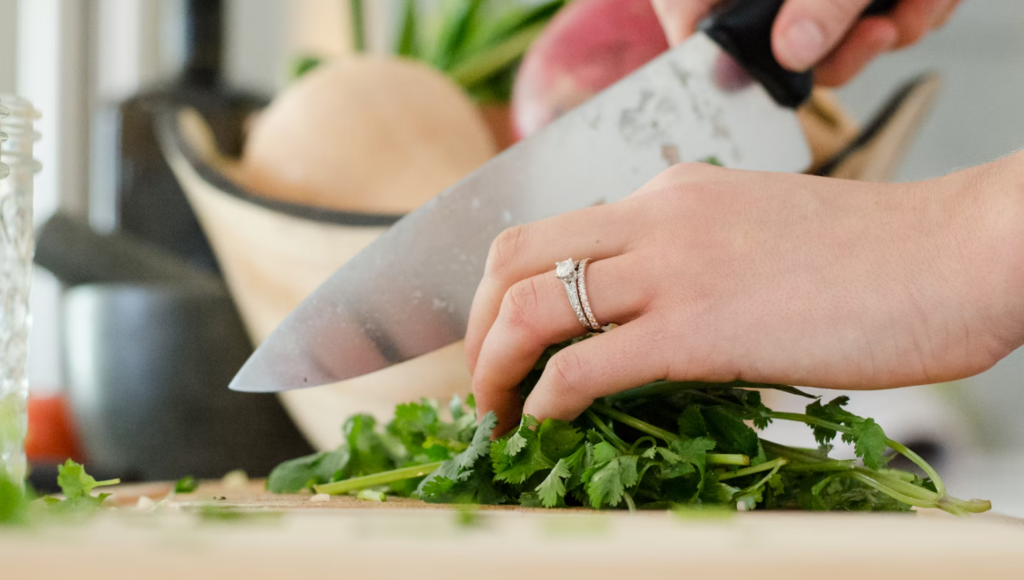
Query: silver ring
[
  {"x": 566, "y": 272},
  {"x": 581, "y": 286}
]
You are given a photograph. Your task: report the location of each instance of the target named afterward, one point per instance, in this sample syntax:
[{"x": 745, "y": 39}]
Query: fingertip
[
  {"x": 800, "y": 44},
  {"x": 506, "y": 411},
  {"x": 543, "y": 404}
]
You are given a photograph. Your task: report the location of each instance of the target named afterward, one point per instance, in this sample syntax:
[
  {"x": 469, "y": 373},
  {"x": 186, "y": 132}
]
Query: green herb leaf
[
  {"x": 466, "y": 478},
  {"x": 833, "y": 412},
  {"x": 610, "y": 480},
  {"x": 187, "y": 484},
  {"x": 517, "y": 457},
  {"x": 729, "y": 431},
  {"x": 551, "y": 491},
  {"x": 691, "y": 423},
  {"x": 75, "y": 483},
  {"x": 558, "y": 439},
  {"x": 690, "y": 457},
  {"x": 870, "y": 443},
  {"x": 305, "y": 472},
  {"x": 368, "y": 452}
]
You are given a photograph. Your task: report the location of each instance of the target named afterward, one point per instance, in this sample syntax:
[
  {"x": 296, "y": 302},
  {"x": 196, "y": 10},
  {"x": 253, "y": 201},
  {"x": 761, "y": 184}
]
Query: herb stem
[
  {"x": 383, "y": 478},
  {"x": 727, "y": 459},
  {"x": 607, "y": 431},
  {"x": 920, "y": 462},
  {"x": 107, "y": 482},
  {"x": 629, "y": 502},
  {"x": 896, "y": 446},
  {"x": 764, "y": 480},
  {"x": 867, "y": 479},
  {"x": 636, "y": 444},
  {"x": 766, "y": 466},
  {"x": 666, "y": 436},
  {"x": 629, "y": 420}
]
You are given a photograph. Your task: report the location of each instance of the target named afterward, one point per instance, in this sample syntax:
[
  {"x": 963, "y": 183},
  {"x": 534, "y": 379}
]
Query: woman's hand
[
  {"x": 826, "y": 33},
  {"x": 717, "y": 275}
]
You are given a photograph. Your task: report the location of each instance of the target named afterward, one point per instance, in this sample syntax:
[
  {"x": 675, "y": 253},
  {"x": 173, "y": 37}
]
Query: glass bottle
[{"x": 17, "y": 245}]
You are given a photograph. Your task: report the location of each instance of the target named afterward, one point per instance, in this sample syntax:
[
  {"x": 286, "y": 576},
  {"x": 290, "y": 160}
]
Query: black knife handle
[{"x": 743, "y": 28}]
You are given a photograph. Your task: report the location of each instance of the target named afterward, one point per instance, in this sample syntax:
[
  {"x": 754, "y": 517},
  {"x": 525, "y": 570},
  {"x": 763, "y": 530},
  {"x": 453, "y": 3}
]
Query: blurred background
[{"x": 188, "y": 201}]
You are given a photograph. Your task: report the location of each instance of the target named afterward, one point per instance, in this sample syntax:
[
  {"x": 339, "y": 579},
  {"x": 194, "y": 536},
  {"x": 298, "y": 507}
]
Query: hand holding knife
[{"x": 409, "y": 293}]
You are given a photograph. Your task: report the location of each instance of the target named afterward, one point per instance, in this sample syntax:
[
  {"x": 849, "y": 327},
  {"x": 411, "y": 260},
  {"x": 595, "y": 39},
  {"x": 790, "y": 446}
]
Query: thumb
[
  {"x": 806, "y": 31},
  {"x": 680, "y": 18}
]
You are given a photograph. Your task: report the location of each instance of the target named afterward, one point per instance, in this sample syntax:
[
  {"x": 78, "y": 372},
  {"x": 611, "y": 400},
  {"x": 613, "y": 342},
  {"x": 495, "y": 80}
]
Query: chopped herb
[
  {"x": 77, "y": 486},
  {"x": 187, "y": 484}
]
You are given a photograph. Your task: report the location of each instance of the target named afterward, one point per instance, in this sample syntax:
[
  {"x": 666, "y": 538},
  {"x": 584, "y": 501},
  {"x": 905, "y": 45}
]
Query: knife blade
[{"x": 409, "y": 292}]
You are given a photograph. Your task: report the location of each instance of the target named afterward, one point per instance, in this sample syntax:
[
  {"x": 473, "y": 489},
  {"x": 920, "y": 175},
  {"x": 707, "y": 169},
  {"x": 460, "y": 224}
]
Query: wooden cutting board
[{"x": 293, "y": 537}]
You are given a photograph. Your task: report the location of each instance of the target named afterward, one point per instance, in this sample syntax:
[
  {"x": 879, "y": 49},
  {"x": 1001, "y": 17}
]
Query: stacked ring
[
  {"x": 573, "y": 275},
  {"x": 566, "y": 272},
  {"x": 581, "y": 276}
]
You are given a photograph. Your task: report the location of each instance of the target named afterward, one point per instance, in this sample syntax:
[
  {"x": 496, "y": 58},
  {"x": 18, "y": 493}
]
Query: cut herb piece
[
  {"x": 305, "y": 472},
  {"x": 77, "y": 486},
  {"x": 187, "y": 484}
]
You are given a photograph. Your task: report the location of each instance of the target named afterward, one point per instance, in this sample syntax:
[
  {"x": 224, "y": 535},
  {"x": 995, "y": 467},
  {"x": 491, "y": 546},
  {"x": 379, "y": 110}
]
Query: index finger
[{"x": 526, "y": 251}]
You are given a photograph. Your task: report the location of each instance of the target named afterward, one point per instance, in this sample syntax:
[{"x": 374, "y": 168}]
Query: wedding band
[
  {"x": 581, "y": 286},
  {"x": 566, "y": 272}
]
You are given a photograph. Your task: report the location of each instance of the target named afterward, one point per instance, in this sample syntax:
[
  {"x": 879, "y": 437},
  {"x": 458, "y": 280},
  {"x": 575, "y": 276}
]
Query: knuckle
[
  {"x": 504, "y": 251},
  {"x": 678, "y": 183},
  {"x": 520, "y": 304},
  {"x": 566, "y": 374},
  {"x": 690, "y": 172}
]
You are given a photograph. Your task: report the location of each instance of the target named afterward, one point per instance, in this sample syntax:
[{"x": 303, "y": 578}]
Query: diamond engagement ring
[
  {"x": 581, "y": 285},
  {"x": 566, "y": 272}
]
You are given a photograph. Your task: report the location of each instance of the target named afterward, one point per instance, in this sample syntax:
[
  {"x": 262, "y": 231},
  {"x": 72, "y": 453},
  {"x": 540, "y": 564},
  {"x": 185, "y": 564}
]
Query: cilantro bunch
[{"x": 665, "y": 445}]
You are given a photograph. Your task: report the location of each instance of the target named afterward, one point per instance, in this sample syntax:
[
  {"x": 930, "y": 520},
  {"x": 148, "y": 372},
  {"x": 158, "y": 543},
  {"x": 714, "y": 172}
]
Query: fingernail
[{"x": 802, "y": 45}]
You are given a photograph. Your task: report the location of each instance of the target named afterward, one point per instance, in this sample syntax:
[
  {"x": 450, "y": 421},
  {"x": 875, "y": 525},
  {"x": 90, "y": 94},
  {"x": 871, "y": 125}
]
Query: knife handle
[{"x": 743, "y": 28}]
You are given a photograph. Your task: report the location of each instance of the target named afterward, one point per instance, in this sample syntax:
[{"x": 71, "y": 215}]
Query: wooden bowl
[{"x": 273, "y": 254}]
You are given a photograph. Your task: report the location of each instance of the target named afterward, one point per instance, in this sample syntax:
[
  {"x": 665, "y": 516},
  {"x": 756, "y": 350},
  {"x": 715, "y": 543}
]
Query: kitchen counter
[{"x": 263, "y": 536}]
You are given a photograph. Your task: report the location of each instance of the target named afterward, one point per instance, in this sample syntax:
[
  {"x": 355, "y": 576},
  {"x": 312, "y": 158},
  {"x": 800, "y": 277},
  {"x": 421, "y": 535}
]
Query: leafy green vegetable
[
  {"x": 187, "y": 484},
  {"x": 659, "y": 446},
  {"x": 77, "y": 486}
]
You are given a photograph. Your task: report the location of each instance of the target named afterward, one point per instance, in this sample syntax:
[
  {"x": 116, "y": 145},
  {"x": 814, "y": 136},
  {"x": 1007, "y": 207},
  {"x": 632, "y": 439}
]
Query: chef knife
[{"x": 409, "y": 292}]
